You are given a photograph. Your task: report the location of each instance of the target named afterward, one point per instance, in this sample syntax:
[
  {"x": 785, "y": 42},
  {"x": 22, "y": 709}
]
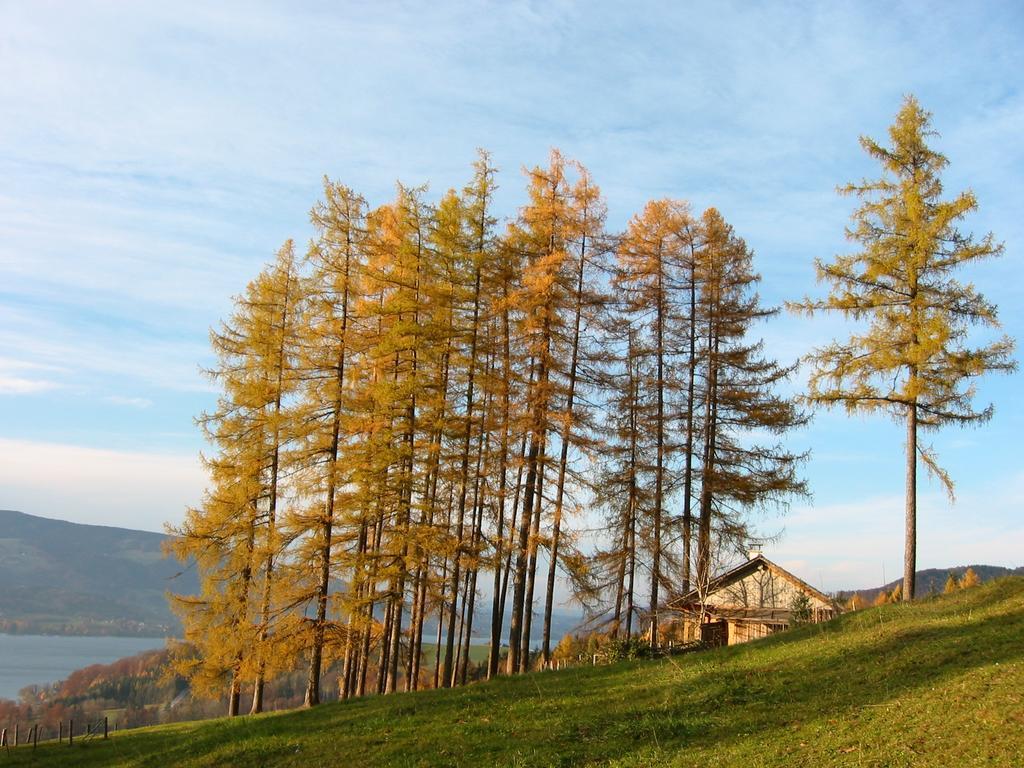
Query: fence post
[
  {"x": 3, "y": 737},
  {"x": 17, "y": 733},
  {"x": 71, "y": 732},
  {"x": 35, "y": 735},
  {"x": 60, "y": 732},
  {"x": 105, "y": 727}
]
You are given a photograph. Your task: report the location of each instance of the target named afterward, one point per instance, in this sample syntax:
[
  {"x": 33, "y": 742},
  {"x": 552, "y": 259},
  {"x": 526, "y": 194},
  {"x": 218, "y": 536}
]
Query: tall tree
[
  {"x": 274, "y": 302},
  {"x": 541, "y": 235},
  {"x": 233, "y": 536},
  {"x": 650, "y": 265},
  {"x": 477, "y": 224},
  {"x": 334, "y": 259},
  {"x": 737, "y": 474},
  {"x": 586, "y": 233},
  {"x": 914, "y": 361}
]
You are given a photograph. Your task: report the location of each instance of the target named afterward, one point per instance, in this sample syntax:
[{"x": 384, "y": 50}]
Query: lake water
[{"x": 40, "y": 659}]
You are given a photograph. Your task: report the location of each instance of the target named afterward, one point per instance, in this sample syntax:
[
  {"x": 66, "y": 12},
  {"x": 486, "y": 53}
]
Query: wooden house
[{"x": 753, "y": 600}]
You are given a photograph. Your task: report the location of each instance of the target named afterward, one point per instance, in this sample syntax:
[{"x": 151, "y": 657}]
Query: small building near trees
[{"x": 753, "y": 600}]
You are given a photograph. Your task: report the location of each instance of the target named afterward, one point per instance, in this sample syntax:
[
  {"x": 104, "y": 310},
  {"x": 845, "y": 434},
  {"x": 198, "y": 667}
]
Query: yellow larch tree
[{"x": 914, "y": 361}]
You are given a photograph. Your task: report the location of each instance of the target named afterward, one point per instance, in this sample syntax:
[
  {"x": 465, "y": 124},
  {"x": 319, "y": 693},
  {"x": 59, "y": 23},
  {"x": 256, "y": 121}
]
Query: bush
[
  {"x": 801, "y": 608},
  {"x": 628, "y": 648}
]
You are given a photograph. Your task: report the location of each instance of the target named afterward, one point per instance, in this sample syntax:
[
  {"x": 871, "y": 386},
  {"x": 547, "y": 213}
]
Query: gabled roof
[{"x": 740, "y": 572}]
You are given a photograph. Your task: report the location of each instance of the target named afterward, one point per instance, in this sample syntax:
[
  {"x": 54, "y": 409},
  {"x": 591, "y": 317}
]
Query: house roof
[{"x": 753, "y": 565}]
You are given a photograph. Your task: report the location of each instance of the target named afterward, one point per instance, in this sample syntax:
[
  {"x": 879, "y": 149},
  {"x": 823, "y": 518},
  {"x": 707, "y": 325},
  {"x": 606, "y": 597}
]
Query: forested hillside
[
  {"x": 932, "y": 581},
  {"x": 68, "y": 578}
]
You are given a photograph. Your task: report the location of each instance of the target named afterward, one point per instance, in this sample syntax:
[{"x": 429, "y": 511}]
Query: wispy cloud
[
  {"x": 16, "y": 385},
  {"x": 131, "y": 402},
  {"x": 23, "y": 377}
]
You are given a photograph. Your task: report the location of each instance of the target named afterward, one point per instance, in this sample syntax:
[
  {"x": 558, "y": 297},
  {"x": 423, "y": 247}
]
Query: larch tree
[
  {"x": 915, "y": 360},
  {"x": 586, "y": 239},
  {"x": 475, "y": 230},
  {"x": 219, "y": 537},
  {"x": 541, "y": 235},
  {"x": 274, "y": 304},
  {"x": 737, "y": 474},
  {"x": 623, "y": 480},
  {"x": 234, "y": 536},
  {"x": 334, "y": 263},
  {"x": 651, "y": 260}
]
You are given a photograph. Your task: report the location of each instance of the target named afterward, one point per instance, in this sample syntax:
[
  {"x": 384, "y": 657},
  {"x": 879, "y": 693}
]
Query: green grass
[{"x": 938, "y": 683}]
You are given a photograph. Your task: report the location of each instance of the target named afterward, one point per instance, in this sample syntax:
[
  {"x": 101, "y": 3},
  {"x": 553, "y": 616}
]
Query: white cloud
[
  {"x": 90, "y": 485},
  {"x": 16, "y": 385},
  {"x": 131, "y": 402},
  {"x": 14, "y": 381}
]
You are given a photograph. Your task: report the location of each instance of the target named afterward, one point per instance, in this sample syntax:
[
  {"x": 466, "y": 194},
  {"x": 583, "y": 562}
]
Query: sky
[{"x": 153, "y": 156}]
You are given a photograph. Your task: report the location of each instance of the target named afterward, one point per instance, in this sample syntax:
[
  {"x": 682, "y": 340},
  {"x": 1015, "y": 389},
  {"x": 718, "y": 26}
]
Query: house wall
[{"x": 762, "y": 589}]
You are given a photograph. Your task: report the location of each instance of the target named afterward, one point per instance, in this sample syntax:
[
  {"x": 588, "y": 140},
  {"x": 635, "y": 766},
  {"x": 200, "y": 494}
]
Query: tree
[
  {"x": 969, "y": 579},
  {"x": 951, "y": 585},
  {"x": 801, "y": 608},
  {"x": 914, "y": 362},
  {"x": 234, "y": 535},
  {"x": 650, "y": 265},
  {"x": 739, "y": 393},
  {"x": 273, "y": 307},
  {"x": 622, "y": 480},
  {"x": 335, "y": 260},
  {"x": 542, "y": 236},
  {"x": 588, "y": 224}
]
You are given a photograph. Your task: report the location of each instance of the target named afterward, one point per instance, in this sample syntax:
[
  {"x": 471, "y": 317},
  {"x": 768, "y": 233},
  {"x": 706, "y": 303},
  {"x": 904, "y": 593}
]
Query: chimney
[{"x": 754, "y": 548}]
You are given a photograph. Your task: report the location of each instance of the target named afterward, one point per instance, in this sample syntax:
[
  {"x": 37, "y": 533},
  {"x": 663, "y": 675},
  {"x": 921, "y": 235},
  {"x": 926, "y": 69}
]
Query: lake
[{"x": 40, "y": 659}]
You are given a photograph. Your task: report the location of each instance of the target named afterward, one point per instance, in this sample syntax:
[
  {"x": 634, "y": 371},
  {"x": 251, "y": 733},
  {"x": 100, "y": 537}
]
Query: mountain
[
  {"x": 932, "y": 580},
  {"x": 68, "y": 578}
]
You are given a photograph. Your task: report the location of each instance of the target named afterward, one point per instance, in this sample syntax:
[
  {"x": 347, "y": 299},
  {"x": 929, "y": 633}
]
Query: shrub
[
  {"x": 801, "y": 607},
  {"x": 628, "y": 648}
]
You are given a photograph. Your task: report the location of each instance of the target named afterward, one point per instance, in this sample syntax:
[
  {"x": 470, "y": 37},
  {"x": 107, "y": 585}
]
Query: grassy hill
[
  {"x": 68, "y": 578},
  {"x": 934, "y": 684},
  {"x": 932, "y": 580}
]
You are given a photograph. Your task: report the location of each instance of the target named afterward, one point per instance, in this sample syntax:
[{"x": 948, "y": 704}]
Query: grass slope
[{"x": 934, "y": 684}]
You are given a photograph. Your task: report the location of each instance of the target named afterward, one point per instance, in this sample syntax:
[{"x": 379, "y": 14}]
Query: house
[{"x": 753, "y": 600}]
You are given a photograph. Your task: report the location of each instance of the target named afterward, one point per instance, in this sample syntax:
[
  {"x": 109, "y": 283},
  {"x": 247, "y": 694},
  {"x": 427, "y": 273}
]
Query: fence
[
  {"x": 98, "y": 729},
  {"x": 594, "y": 659}
]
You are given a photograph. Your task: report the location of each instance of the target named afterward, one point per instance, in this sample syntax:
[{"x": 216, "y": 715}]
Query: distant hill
[
  {"x": 67, "y": 578},
  {"x": 932, "y": 580}
]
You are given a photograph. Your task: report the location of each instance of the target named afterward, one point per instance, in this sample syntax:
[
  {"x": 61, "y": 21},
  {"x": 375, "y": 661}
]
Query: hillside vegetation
[
  {"x": 936, "y": 683},
  {"x": 68, "y": 578}
]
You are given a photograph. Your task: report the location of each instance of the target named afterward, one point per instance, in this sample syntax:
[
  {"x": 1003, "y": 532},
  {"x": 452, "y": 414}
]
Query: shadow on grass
[{"x": 602, "y": 714}]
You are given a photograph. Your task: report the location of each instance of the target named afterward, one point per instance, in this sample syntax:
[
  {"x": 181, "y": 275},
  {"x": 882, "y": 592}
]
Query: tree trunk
[
  {"x": 564, "y": 458},
  {"x": 660, "y": 440},
  {"x": 910, "y": 542},
  {"x": 690, "y": 387},
  {"x": 515, "y": 625},
  {"x": 531, "y": 576}
]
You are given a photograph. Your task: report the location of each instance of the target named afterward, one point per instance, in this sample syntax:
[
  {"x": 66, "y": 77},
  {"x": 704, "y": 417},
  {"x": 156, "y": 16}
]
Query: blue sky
[{"x": 154, "y": 156}]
